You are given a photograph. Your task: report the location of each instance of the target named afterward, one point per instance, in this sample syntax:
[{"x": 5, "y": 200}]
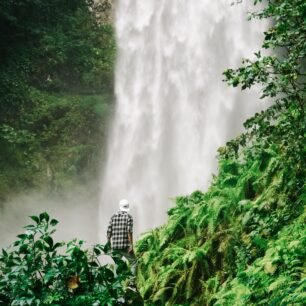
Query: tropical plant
[{"x": 36, "y": 270}]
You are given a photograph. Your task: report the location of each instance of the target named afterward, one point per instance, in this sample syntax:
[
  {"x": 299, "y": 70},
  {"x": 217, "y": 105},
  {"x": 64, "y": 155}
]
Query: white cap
[{"x": 124, "y": 205}]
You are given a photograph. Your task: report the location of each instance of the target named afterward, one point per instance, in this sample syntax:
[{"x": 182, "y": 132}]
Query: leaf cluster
[
  {"x": 36, "y": 270},
  {"x": 281, "y": 73}
]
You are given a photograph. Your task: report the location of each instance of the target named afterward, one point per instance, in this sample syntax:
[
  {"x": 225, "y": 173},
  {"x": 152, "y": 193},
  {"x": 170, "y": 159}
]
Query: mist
[{"x": 76, "y": 210}]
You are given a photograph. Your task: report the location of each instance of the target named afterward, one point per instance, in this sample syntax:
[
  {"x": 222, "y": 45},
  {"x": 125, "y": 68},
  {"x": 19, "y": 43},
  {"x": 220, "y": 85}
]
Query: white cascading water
[{"x": 172, "y": 109}]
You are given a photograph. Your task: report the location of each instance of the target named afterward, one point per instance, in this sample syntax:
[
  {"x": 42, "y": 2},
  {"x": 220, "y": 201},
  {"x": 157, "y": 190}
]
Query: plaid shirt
[{"x": 120, "y": 225}]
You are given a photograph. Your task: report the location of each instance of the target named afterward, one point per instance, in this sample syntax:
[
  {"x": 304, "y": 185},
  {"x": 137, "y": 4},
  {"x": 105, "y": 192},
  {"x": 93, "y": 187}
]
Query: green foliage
[
  {"x": 56, "y": 93},
  {"x": 57, "y": 142},
  {"x": 57, "y": 45},
  {"x": 283, "y": 72},
  {"x": 243, "y": 241},
  {"x": 281, "y": 75},
  {"x": 277, "y": 278},
  {"x": 213, "y": 238},
  {"x": 39, "y": 271}
]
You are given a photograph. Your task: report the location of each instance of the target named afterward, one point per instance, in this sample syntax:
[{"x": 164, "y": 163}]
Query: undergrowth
[
  {"x": 36, "y": 270},
  {"x": 242, "y": 242}
]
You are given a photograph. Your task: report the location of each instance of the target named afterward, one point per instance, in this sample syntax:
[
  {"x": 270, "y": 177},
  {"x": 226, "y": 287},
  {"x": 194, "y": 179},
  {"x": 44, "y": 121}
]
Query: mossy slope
[{"x": 242, "y": 242}]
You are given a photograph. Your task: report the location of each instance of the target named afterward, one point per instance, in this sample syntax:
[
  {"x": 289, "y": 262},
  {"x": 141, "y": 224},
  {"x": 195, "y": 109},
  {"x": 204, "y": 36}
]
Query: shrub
[{"x": 35, "y": 270}]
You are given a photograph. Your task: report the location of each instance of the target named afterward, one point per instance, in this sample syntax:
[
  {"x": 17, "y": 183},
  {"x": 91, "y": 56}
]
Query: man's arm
[
  {"x": 130, "y": 236},
  {"x": 130, "y": 233}
]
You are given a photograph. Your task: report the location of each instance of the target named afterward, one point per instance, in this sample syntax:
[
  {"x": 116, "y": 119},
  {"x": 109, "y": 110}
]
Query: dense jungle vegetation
[
  {"x": 56, "y": 91},
  {"x": 243, "y": 242}
]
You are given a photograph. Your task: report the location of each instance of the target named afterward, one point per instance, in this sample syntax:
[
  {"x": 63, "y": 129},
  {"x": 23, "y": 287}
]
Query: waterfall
[{"x": 172, "y": 109}]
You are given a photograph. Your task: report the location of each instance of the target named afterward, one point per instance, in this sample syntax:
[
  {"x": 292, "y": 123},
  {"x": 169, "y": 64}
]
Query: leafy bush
[
  {"x": 38, "y": 271},
  {"x": 56, "y": 90},
  {"x": 234, "y": 243},
  {"x": 56, "y": 146}
]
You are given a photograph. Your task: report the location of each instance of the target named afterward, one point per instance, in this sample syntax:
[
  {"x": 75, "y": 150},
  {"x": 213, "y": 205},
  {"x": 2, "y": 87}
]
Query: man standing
[{"x": 120, "y": 232}]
